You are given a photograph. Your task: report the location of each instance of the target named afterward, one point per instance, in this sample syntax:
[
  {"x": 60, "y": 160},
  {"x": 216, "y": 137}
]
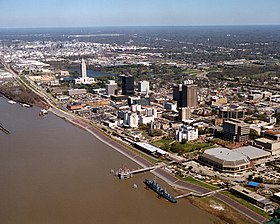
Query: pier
[
  {"x": 4, "y": 129},
  {"x": 126, "y": 173},
  {"x": 199, "y": 195}
]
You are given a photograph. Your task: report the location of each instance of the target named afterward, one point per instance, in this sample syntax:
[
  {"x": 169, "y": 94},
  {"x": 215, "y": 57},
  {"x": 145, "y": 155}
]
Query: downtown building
[
  {"x": 127, "y": 84},
  {"x": 111, "y": 88},
  {"x": 236, "y": 130},
  {"x": 186, "y": 96},
  {"x": 143, "y": 86},
  {"x": 187, "y": 133}
]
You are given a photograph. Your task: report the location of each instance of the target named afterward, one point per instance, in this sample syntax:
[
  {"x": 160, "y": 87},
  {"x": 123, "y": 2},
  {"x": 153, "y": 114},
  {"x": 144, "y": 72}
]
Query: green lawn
[
  {"x": 181, "y": 148},
  {"x": 199, "y": 183},
  {"x": 178, "y": 147},
  {"x": 163, "y": 143}
]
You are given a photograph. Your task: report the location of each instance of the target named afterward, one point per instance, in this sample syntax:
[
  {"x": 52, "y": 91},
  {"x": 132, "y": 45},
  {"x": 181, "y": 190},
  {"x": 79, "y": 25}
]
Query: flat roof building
[
  {"x": 225, "y": 160},
  {"x": 185, "y": 94},
  {"x": 254, "y": 154},
  {"x": 143, "y": 86},
  {"x": 148, "y": 148},
  {"x": 73, "y": 92},
  {"x": 236, "y": 130},
  {"x": 251, "y": 196},
  {"x": 272, "y": 146}
]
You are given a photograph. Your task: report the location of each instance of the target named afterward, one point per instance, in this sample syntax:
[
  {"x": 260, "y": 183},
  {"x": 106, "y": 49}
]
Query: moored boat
[{"x": 159, "y": 190}]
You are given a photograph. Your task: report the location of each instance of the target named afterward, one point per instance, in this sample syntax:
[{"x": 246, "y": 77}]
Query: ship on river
[{"x": 159, "y": 190}]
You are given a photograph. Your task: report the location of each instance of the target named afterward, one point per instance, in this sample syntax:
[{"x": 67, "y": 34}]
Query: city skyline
[{"x": 31, "y": 13}]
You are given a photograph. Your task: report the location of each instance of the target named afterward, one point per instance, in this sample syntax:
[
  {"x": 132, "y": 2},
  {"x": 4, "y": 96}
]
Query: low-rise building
[
  {"x": 232, "y": 161},
  {"x": 144, "y": 101},
  {"x": 146, "y": 120},
  {"x": 170, "y": 106},
  {"x": 272, "y": 134},
  {"x": 73, "y": 92},
  {"x": 150, "y": 149},
  {"x": 232, "y": 111},
  {"x": 225, "y": 160},
  {"x": 75, "y": 106},
  {"x": 252, "y": 197},
  {"x": 187, "y": 133},
  {"x": 62, "y": 98},
  {"x": 272, "y": 146}
]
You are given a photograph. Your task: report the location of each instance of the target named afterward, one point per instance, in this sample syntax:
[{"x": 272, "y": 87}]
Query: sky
[{"x": 84, "y": 13}]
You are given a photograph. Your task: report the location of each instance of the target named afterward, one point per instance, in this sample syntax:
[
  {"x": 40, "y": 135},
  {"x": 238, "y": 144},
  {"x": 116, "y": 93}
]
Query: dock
[{"x": 126, "y": 173}]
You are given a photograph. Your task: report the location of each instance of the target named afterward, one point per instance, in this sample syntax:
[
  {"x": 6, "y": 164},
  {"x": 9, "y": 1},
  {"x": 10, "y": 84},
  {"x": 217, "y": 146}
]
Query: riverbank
[{"x": 22, "y": 95}]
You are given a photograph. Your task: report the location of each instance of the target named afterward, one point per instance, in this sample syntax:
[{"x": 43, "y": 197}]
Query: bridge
[
  {"x": 200, "y": 195},
  {"x": 126, "y": 173}
]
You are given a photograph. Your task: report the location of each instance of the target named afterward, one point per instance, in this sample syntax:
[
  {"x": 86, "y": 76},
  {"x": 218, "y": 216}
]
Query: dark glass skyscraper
[{"x": 127, "y": 84}]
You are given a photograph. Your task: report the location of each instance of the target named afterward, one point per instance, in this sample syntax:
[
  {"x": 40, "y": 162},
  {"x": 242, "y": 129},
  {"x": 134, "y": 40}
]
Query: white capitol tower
[{"x": 84, "y": 79}]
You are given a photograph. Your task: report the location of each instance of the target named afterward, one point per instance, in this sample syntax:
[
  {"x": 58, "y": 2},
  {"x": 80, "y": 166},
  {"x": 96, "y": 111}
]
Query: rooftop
[
  {"x": 265, "y": 140},
  {"x": 251, "y": 194},
  {"x": 273, "y": 132},
  {"x": 226, "y": 156},
  {"x": 252, "y": 152},
  {"x": 151, "y": 148}
]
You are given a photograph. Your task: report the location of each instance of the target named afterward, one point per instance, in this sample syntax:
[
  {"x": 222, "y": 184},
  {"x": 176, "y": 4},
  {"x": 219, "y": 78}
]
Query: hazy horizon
[{"x": 93, "y": 13}]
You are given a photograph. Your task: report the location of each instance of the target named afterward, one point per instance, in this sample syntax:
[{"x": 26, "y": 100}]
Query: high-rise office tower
[
  {"x": 185, "y": 94},
  {"x": 127, "y": 84},
  {"x": 177, "y": 93},
  {"x": 189, "y": 94}
]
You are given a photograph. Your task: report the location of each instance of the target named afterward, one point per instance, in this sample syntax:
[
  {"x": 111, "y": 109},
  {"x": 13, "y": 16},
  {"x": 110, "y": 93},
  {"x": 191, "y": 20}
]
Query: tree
[
  {"x": 253, "y": 134},
  {"x": 155, "y": 132},
  {"x": 250, "y": 177}
]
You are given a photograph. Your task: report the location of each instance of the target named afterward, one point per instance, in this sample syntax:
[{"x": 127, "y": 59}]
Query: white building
[
  {"x": 73, "y": 92},
  {"x": 171, "y": 106},
  {"x": 186, "y": 132},
  {"x": 111, "y": 88},
  {"x": 5, "y": 75},
  {"x": 84, "y": 79},
  {"x": 132, "y": 120},
  {"x": 146, "y": 120},
  {"x": 143, "y": 86}
]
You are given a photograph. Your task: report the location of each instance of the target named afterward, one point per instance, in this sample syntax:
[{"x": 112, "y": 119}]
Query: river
[{"x": 53, "y": 172}]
